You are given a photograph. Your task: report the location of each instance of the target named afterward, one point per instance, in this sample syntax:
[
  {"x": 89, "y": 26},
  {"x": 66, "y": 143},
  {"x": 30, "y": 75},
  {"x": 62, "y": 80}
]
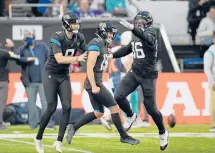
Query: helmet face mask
[
  {"x": 110, "y": 37},
  {"x": 71, "y": 22},
  {"x": 139, "y": 23},
  {"x": 143, "y": 20},
  {"x": 106, "y": 31},
  {"x": 75, "y": 27}
]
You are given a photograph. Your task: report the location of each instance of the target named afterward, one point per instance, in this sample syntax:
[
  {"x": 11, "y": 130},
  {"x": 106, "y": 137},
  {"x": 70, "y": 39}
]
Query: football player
[
  {"x": 143, "y": 72},
  {"x": 98, "y": 93},
  {"x": 56, "y": 79}
]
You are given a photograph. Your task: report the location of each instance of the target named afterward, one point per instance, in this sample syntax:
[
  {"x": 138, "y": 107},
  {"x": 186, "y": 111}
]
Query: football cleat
[
  {"x": 39, "y": 145},
  {"x": 70, "y": 133},
  {"x": 106, "y": 124},
  {"x": 130, "y": 121},
  {"x": 164, "y": 138},
  {"x": 58, "y": 146},
  {"x": 129, "y": 140}
]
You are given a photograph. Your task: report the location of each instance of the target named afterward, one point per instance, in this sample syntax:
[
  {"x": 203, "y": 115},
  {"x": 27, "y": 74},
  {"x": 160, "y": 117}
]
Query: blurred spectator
[
  {"x": 4, "y": 57},
  {"x": 116, "y": 7},
  {"x": 97, "y": 4},
  {"x": 2, "y": 6},
  {"x": 34, "y": 9},
  {"x": 197, "y": 11},
  {"x": 205, "y": 30},
  {"x": 84, "y": 10},
  {"x": 72, "y": 5},
  {"x": 7, "y": 3},
  {"x": 209, "y": 69},
  {"x": 32, "y": 75},
  {"x": 132, "y": 8},
  {"x": 41, "y": 9}
]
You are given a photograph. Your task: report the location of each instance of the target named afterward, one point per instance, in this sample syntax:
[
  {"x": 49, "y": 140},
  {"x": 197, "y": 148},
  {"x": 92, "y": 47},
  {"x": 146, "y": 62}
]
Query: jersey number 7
[{"x": 137, "y": 50}]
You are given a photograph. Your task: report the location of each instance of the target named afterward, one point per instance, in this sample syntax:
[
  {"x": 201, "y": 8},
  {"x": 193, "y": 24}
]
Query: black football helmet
[
  {"x": 69, "y": 18},
  {"x": 143, "y": 19},
  {"x": 105, "y": 27}
]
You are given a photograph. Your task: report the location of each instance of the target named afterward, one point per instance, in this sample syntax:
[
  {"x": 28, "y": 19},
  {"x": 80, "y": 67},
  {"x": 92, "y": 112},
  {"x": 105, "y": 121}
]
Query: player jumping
[
  {"x": 143, "y": 72},
  {"x": 98, "y": 93},
  {"x": 56, "y": 79}
]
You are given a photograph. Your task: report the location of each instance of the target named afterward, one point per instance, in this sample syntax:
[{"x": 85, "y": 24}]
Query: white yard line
[
  {"x": 48, "y": 146},
  {"x": 110, "y": 135}
]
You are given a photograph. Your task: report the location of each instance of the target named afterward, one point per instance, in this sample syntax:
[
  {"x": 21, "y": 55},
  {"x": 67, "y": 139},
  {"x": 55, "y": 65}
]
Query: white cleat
[
  {"x": 58, "y": 146},
  {"x": 140, "y": 124},
  {"x": 164, "y": 140},
  {"x": 130, "y": 121},
  {"x": 212, "y": 129},
  {"x": 106, "y": 124},
  {"x": 39, "y": 145}
]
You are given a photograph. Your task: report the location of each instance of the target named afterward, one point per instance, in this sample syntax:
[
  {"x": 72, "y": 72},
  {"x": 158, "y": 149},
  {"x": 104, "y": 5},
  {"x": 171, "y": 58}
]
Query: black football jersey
[
  {"x": 97, "y": 45},
  {"x": 144, "y": 47},
  {"x": 68, "y": 47}
]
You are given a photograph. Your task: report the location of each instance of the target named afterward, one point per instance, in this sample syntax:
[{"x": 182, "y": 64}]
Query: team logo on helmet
[
  {"x": 103, "y": 25},
  {"x": 67, "y": 16}
]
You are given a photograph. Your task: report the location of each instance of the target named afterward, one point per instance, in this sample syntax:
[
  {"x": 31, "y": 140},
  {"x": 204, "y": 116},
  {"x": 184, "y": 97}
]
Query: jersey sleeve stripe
[
  {"x": 94, "y": 48},
  {"x": 55, "y": 42}
]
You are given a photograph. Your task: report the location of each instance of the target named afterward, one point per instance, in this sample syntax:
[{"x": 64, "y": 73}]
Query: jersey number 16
[{"x": 137, "y": 50}]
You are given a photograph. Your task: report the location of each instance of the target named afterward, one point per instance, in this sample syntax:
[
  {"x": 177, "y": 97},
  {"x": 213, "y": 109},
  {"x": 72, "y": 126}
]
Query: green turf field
[{"x": 95, "y": 138}]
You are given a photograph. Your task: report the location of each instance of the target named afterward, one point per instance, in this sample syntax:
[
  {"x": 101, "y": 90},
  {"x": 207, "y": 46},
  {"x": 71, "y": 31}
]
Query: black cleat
[
  {"x": 70, "y": 133},
  {"x": 129, "y": 140},
  {"x": 162, "y": 148}
]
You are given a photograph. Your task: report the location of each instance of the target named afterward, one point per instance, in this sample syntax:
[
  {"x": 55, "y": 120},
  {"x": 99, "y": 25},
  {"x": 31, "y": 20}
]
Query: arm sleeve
[
  {"x": 202, "y": 30},
  {"x": 23, "y": 59},
  {"x": 4, "y": 53},
  {"x": 94, "y": 47},
  {"x": 123, "y": 51},
  {"x": 208, "y": 64},
  {"x": 55, "y": 40},
  {"x": 145, "y": 35},
  {"x": 16, "y": 57}
]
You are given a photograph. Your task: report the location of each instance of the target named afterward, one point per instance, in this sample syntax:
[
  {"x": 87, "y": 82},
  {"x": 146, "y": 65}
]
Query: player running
[
  {"x": 98, "y": 93},
  {"x": 143, "y": 72},
  {"x": 56, "y": 80}
]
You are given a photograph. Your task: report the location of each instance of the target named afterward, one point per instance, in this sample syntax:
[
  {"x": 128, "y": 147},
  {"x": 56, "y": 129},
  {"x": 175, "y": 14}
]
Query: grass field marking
[
  {"x": 48, "y": 146},
  {"x": 111, "y": 135}
]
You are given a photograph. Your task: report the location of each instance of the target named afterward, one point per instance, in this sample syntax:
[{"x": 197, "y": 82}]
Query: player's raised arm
[
  {"x": 147, "y": 36},
  {"x": 123, "y": 51},
  {"x": 141, "y": 27}
]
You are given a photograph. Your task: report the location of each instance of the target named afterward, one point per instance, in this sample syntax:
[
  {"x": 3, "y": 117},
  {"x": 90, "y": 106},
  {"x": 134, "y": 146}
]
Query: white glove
[
  {"x": 13, "y": 55},
  {"x": 126, "y": 24}
]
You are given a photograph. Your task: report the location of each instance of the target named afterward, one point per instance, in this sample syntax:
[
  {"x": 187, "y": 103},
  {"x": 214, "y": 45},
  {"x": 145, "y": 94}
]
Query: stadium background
[
  {"x": 190, "y": 107},
  {"x": 185, "y": 94}
]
